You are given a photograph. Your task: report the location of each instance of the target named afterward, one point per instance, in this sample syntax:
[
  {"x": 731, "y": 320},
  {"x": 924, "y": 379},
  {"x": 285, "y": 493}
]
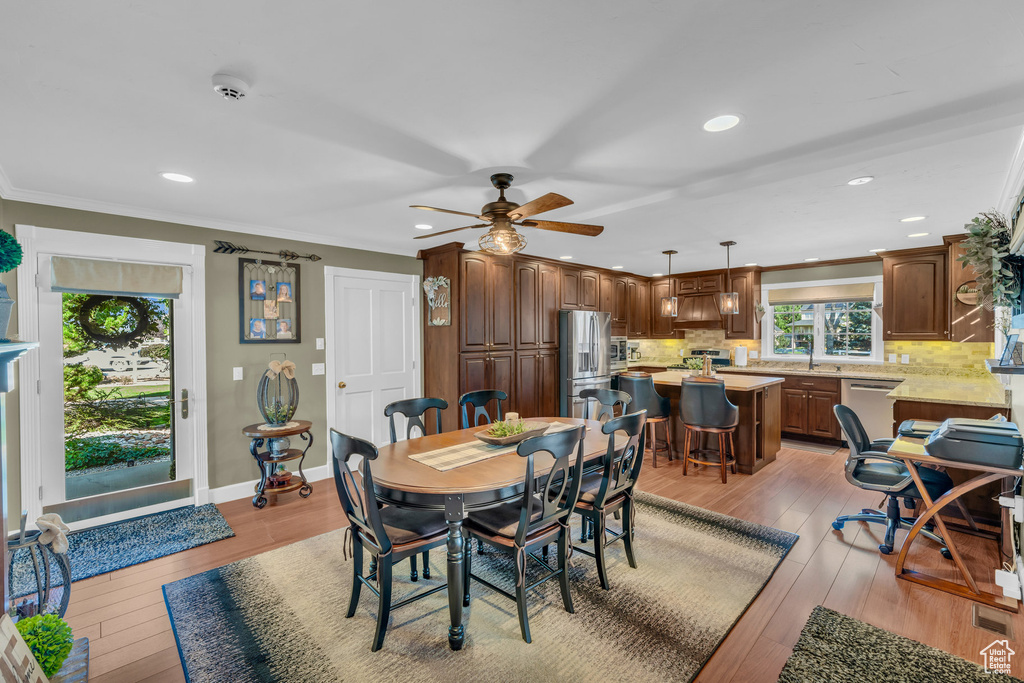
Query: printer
[{"x": 978, "y": 442}]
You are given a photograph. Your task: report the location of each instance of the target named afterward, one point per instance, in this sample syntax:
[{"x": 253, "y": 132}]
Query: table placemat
[{"x": 450, "y": 457}]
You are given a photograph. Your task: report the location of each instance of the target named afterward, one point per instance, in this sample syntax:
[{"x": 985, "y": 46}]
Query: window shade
[
  {"x": 862, "y": 291},
  {"x": 89, "y": 276}
]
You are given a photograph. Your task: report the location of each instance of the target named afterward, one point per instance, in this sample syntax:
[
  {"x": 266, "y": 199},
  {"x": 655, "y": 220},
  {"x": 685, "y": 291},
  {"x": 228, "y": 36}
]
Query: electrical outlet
[
  {"x": 682, "y": 352},
  {"x": 319, "y": 369},
  {"x": 753, "y": 354},
  {"x": 236, "y": 374},
  {"x": 905, "y": 359},
  {"x": 319, "y": 343},
  {"x": 892, "y": 357}
]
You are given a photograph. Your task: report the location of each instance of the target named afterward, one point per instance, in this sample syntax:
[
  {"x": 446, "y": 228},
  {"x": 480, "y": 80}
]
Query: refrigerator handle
[{"x": 593, "y": 342}]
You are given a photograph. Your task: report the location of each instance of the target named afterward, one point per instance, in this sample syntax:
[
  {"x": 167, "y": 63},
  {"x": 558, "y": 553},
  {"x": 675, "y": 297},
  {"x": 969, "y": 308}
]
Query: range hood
[{"x": 698, "y": 311}]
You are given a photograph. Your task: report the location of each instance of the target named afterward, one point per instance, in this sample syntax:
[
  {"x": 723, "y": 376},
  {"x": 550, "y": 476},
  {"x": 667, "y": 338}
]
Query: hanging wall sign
[{"x": 438, "y": 291}]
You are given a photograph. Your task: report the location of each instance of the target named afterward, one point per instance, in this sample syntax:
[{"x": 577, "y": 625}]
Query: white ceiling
[{"x": 358, "y": 109}]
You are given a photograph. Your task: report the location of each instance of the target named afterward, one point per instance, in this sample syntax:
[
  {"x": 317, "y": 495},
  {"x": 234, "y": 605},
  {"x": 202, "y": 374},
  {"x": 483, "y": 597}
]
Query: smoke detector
[{"x": 230, "y": 87}]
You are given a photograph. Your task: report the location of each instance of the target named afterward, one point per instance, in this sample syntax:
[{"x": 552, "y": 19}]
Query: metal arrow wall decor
[{"x": 223, "y": 247}]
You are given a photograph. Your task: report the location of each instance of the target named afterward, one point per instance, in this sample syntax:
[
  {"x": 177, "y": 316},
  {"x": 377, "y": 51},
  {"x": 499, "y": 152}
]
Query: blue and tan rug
[
  {"x": 280, "y": 616},
  {"x": 122, "y": 544}
]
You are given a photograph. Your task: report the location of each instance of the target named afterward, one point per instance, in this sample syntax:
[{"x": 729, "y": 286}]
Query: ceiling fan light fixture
[{"x": 502, "y": 242}]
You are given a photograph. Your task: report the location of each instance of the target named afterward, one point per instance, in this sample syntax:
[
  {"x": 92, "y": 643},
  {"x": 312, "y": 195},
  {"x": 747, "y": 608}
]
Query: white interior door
[{"x": 373, "y": 354}]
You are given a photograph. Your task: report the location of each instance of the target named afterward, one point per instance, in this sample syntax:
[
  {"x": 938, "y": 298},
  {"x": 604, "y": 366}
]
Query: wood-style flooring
[{"x": 124, "y": 616}]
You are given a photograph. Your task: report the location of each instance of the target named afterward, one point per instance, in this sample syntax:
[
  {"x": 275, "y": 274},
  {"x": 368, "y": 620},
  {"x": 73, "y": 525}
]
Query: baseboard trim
[{"x": 246, "y": 489}]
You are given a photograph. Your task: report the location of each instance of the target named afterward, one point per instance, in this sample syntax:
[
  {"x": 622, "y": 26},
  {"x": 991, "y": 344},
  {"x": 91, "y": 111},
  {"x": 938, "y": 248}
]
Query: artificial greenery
[
  {"x": 49, "y": 637},
  {"x": 278, "y": 412},
  {"x": 80, "y": 454},
  {"x": 10, "y": 252},
  {"x": 694, "y": 363},
  {"x": 987, "y": 250},
  {"x": 503, "y": 428}
]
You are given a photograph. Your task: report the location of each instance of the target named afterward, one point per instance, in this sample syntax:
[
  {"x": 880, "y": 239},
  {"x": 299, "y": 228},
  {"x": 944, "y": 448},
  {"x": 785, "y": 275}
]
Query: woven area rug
[
  {"x": 122, "y": 544},
  {"x": 280, "y": 616},
  {"x": 834, "y": 648}
]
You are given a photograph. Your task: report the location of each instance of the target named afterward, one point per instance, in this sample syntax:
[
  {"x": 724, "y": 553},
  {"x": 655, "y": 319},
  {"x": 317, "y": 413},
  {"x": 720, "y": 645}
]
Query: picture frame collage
[{"x": 268, "y": 302}]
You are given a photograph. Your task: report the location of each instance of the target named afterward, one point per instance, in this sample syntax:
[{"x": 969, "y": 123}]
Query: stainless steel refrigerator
[{"x": 584, "y": 357}]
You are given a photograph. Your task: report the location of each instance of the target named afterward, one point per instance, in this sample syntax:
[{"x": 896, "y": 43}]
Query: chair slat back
[
  {"x": 607, "y": 399},
  {"x": 479, "y": 400},
  {"x": 358, "y": 501},
  {"x": 414, "y": 410},
  {"x": 622, "y": 463},
  {"x": 557, "y": 491}
]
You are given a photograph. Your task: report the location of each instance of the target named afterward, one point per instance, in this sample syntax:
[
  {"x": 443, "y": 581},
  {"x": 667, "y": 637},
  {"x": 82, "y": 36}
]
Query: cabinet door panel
[
  {"x": 794, "y": 411},
  {"x": 741, "y": 325},
  {"x": 503, "y": 374},
  {"x": 547, "y": 305},
  {"x": 571, "y": 291},
  {"x": 608, "y": 295},
  {"x": 916, "y": 305},
  {"x": 821, "y": 420},
  {"x": 590, "y": 290},
  {"x": 527, "y": 384},
  {"x": 527, "y": 318},
  {"x": 711, "y": 283},
  {"x": 473, "y": 372},
  {"x": 502, "y": 318},
  {"x": 687, "y": 285},
  {"x": 661, "y": 326},
  {"x": 621, "y": 310},
  {"x": 547, "y": 387},
  {"x": 473, "y": 295}
]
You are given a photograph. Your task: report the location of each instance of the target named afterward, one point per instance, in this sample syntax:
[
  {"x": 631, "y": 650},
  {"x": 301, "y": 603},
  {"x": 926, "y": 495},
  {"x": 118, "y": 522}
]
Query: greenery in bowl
[
  {"x": 49, "y": 637},
  {"x": 503, "y": 428},
  {"x": 694, "y": 363}
]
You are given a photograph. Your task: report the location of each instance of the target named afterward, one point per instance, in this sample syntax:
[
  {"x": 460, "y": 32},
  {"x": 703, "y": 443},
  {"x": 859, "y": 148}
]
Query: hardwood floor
[{"x": 123, "y": 612}]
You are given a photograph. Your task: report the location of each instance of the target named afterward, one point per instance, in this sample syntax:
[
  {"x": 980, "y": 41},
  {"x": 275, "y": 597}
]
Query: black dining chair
[
  {"x": 705, "y": 409},
  {"x": 540, "y": 517},
  {"x": 611, "y": 489},
  {"x": 414, "y": 410},
  {"x": 479, "y": 400},
  {"x": 389, "y": 534},
  {"x": 608, "y": 399},
  {"x": 640, "y": 386}
]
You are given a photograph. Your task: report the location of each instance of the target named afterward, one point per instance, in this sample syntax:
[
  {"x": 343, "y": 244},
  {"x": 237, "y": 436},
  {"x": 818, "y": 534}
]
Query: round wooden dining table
[{"x": 406, "y": 483}]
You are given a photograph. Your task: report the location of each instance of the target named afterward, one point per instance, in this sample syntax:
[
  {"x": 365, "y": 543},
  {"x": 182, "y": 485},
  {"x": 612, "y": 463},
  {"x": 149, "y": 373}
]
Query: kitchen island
[{"x": 758, "y": 436}]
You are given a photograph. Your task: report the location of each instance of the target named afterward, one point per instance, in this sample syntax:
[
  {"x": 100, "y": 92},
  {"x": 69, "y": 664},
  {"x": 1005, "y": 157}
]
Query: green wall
[{"x": 230, "y": 405}]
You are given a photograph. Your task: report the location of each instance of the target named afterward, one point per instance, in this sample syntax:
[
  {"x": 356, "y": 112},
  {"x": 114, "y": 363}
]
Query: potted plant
[
  {"x": 987, "y": 250},
  {"x": 10, "y": 258},
  {"x": 49, "y": 637}
]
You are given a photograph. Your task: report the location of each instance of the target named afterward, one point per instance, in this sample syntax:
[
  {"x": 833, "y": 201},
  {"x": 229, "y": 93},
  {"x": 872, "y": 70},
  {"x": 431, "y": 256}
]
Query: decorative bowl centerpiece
[{"x": 507, "y": 432}]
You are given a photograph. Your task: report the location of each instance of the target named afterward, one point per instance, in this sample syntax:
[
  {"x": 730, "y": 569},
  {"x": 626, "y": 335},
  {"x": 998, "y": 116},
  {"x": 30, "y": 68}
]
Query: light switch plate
[
  {"x": 892, "y": 357},
  {"x": 905, "y": 359},
  {"x": 319, "y": 369},
  {"x": 236, "y": 374},
  {"x": 754, "y": 354},
  {"x": 682, "y": 352},
  {"x": 319, "y": 343}
]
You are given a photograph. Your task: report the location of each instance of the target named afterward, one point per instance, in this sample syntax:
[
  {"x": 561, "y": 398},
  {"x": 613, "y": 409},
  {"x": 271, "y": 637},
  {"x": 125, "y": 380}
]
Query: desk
[
  {"x": 488, "y": 483},
  {"x": 913, "y": 453}
]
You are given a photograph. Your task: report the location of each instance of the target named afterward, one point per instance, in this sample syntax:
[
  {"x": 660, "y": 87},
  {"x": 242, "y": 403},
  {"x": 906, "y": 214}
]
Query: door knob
[{"x": 341, "y": 385}]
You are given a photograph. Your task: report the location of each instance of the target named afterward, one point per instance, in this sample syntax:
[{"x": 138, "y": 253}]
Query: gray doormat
[
  {"x": 280, "y": 616},
  {"x": 834, "y": 648}
]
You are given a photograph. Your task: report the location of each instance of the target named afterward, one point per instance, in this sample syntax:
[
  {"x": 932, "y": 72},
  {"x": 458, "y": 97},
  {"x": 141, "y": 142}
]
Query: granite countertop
[
  {"x": 732, "y": 381},
  {"x": 827, "y": 371}
]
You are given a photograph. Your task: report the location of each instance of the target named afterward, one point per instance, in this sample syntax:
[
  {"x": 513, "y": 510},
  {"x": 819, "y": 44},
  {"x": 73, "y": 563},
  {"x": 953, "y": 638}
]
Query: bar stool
[
  {"x": 704, "y": 408},
  {"x": 640, "y": 386}
]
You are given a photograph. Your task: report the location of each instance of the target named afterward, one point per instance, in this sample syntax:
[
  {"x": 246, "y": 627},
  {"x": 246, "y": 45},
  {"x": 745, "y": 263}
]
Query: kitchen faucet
[{"x": 810, "y": 361}]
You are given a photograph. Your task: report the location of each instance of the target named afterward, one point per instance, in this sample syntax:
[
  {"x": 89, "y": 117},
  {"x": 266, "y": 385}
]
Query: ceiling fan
[{"x": 502, "y": 216}]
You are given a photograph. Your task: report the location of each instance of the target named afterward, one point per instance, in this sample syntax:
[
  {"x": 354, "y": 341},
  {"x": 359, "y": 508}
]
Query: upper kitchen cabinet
[
  {"x": 660, "y": 325},
  {"x": 638, "y": 315},
  {"x": 536, "y": 296},
  {"x": 744, "y": 325},
  {"x": 614, "y": 300},
  {"x": 968, "y": 322},
  {"x": 698, "y": 307},
  {"x": 915, "y": 295},
  {"x": 486, "y": 302},
  {"x": 581, "y": 289}
]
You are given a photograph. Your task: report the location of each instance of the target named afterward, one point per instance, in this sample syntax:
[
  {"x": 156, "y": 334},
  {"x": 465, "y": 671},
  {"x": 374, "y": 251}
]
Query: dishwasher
[{"x": 867, "y": 398}]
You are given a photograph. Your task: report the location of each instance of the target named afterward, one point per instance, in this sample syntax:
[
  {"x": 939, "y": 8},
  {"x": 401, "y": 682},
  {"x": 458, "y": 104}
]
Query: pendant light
[
  {"x": 669, "y": 304},
  {"x": 728, "y": 302}
]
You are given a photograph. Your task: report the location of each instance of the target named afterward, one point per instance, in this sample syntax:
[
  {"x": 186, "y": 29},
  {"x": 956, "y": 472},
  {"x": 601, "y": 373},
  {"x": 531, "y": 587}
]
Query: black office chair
[
  {"x": 607, "y": 399},
  {"x": 611, "y": 489},
  {"x": 640, "y": 386},
  {"x": 540, "y": 517},
  {"x": 390, "y": 534},
  {"x": 705, "y": 409},
  {"x": 414, "y": 409},
  {"x": 871, "y": 468},
  {"x": 479, "y": 400}
]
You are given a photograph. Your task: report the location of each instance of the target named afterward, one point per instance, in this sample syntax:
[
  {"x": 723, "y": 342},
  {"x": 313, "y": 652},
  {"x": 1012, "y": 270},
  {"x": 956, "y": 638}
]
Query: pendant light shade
[
  {"x": 728, "y": 302},
  {"x": 669, "y": 304}
]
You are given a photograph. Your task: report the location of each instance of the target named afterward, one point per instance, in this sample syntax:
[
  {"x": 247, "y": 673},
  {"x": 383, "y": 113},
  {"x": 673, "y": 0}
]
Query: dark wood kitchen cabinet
[
  {"x": 915, "y": 295},
  {"x": 614, "y": 300},
  {"x": 486, "y": 370},
  {"x": 967, "y": 322},
  {"x": 638, "y": 314},
  {"x": 698, "y": 306},
  {"x": 794, "y": 411},
  {"x": 536, "y": 383},
  {"x": 581, "y": 289},
  {"x": 660, "y": 325},
  {"x": 486, "y": 302},
  {"x": 744, "y": 325},
  {"x": 536, "y": 304},
  {"x": 807, "y": 403}
]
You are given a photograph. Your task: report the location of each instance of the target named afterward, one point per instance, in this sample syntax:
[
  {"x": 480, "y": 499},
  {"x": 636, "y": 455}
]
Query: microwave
[{"x": 619, "y": 354}]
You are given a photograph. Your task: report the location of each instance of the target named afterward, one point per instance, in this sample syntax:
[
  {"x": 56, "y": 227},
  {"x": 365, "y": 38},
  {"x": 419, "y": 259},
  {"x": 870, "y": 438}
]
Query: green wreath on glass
[{"x": 104, "y": 336}]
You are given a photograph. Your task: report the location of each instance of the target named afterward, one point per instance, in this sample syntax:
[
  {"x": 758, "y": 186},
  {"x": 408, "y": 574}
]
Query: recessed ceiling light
[
  {"x": 875, "y": 251},
  {"x": 750, "y": 264},
  {"x": 565, "y": 258},
  {"x": 657, "y": 274},
  {"x": 815, "y": 258},
  {"x": 424, "y": 226},
  {"x": 720, "y": 123},
  {"x": 912, "y": 219},
  {"x": 918, "y": 234},
  {"x": 616, "y": 267},
  {"x": 861, "y": 180},
  {"x": 177, "y": 177}
]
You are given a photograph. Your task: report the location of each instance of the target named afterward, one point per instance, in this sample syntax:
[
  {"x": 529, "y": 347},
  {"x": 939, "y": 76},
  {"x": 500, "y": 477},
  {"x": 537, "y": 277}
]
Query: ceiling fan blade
[
  {"x": 574, "y": 228},
  {"x": 457, "y": 213},
  {"x": 540, "y": 205},
  {"x": 445, "y": 232}
]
